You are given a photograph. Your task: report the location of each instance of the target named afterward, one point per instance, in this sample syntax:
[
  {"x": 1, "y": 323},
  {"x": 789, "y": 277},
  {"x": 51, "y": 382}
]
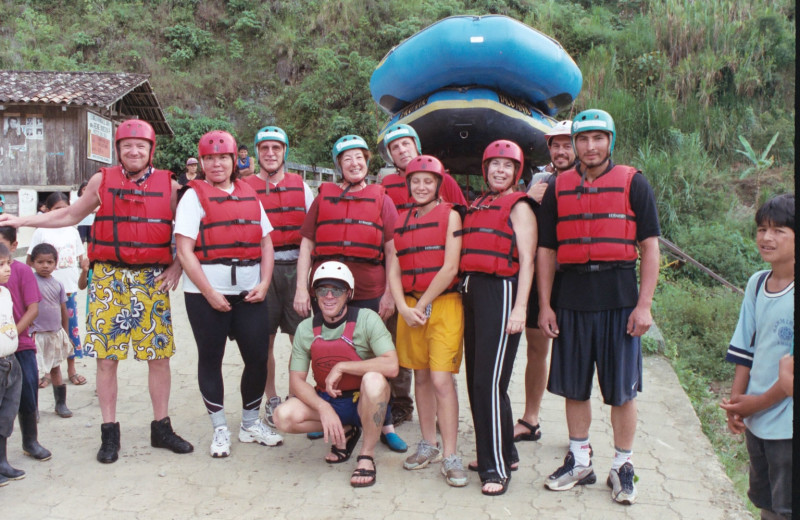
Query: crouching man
[{"x": 351, "y": 354}]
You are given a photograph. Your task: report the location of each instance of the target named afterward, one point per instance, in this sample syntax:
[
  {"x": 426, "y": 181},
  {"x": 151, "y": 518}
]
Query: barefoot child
[
  {"x": 49, "y": 329},
  {"x": 10, "y": 373},
  {"x": 759, "y": 406},
  {"x": 72, "y": 264}
]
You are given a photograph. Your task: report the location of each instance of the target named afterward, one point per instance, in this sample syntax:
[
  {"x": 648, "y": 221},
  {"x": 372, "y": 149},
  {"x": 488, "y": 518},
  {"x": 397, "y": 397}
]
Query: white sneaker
[
  {"x": 221, "y": 443},
  {"x": 260, "y": 433},
  {"x": 269, "y": 410}
]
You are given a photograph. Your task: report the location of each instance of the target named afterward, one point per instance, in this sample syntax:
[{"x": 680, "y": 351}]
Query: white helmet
[
  {"x": 561, "y": 128},
  {"x": 333, "y": 270}
]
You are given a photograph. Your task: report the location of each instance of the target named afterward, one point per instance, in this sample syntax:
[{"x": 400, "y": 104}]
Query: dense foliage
[{"x": 702, "y": 93}]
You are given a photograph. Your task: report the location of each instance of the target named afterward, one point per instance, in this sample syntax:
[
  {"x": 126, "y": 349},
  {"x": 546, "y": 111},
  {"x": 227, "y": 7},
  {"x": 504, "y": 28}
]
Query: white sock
[
  {"x": 620, "y": 458},
  {"x": 218, "y": 419},
  {"x": 249, "y": 417},
  {"x": 580, "y": 450}
]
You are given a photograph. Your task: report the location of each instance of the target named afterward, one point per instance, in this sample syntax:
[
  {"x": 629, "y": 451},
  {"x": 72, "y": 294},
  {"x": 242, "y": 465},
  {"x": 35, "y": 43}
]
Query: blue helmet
[
  {"x": 399, "y": 131},
  {"x": 348, "y": 142},
  {"x": 594, "y": 119},
  {"x": 272, "y": 133}
]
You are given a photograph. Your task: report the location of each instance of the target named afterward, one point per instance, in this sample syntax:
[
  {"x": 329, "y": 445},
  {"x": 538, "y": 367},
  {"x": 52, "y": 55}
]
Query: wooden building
[{"x": 58, "y": 128}]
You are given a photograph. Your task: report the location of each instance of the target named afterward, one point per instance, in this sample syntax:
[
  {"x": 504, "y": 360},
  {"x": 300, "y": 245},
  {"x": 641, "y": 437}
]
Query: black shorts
[
  {"x": 532, "y": 321},
  {"x": 599, "y": 338}
]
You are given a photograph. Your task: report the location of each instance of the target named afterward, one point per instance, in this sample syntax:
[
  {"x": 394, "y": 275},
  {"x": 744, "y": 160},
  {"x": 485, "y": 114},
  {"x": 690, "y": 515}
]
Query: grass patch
[{"x": 697, "y": 323}]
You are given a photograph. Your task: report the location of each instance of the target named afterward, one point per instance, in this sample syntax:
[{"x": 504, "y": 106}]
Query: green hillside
[{"x": 703, "y": 93}]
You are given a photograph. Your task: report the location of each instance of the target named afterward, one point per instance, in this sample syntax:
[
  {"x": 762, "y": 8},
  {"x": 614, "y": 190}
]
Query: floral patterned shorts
[{"x": 126, "y": 310}]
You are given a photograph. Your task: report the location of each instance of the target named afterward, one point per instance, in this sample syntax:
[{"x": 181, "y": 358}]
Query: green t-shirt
[{"x": 371, "y": 338}]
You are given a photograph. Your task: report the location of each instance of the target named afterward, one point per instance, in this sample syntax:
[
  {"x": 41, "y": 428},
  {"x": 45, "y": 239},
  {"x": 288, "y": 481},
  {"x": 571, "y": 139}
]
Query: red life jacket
[
  {"x": 230, "y": 231},
  {"x": 420, "y": 243},
  {"x": 325, "y": 353},
  {"x": 133, "y": 225},
  {"x": 285, "y": 205},
  {"x": 489, "y": 243},
  {"x": 350, "y": 226},
  {"x": 397, "y": 190},
  {"x": 595, "y": 220}
]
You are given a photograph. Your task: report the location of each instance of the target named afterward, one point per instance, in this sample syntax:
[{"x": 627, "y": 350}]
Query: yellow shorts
[
  {"x": 127, "y": 311},
  {"x": 438, "y": 344}
]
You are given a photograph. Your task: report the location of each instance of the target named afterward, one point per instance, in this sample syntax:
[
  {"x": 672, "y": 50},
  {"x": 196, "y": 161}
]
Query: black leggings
[
  {"x": 248, "y": 324},
  {"x": 489, "y": 354}
]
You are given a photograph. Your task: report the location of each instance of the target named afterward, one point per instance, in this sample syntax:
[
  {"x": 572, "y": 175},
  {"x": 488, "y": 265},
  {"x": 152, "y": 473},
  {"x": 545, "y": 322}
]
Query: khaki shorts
[
  {"x": 127, "y": 311},
  {"x": 437, "y": 345}
]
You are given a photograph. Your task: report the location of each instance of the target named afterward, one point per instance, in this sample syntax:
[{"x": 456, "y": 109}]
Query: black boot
[
  {"x": 109, "y": 447},
  {"x": 30, "y": 436},
  {"x": 3, "y": 481},
  {"x": 162, "y": 436},
  {"x": 60, "y": 393},
  {"x": 6, "y": 470}
]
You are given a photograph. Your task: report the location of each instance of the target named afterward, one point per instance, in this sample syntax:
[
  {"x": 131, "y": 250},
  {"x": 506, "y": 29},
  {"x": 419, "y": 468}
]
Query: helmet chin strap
[{"x": 275, "y": 172}]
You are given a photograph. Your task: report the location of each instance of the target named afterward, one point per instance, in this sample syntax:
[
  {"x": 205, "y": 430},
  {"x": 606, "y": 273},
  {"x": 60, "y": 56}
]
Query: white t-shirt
[
  {"x": 8, "y": 329},
  {"x": 187, "y": 223},
  {"x": 67, "y": 242}
]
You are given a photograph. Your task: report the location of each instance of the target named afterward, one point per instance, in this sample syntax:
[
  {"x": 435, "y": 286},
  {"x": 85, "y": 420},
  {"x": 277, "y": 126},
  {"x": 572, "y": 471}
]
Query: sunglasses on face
[{"x": 321, "y": 292}]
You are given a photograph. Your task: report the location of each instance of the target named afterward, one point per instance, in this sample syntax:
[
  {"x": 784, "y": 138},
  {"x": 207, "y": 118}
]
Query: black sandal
[
  {"x": 495, "y": 480},
  {"x": 343, "y": 455},
  {"x": 361, "y": 472},
  {"x": 534, "y": 435}
]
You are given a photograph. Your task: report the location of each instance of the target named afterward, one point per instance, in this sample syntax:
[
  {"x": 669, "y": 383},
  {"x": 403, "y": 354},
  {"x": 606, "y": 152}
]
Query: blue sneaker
[{"x": 394, "y": 442}]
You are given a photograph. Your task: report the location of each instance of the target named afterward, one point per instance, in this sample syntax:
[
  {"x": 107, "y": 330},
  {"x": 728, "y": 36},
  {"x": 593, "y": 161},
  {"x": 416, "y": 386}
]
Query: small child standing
[
  {"x": 50, "y": 327},
  {"x": 759, "y": 405},
  {"x": 10, "y": 372},
  {"x": 72, "y": 265}
]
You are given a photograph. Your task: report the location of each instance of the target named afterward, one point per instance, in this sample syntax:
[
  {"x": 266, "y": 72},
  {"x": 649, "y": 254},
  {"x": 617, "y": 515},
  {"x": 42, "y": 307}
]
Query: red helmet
[
  {"x": 216, "y": 141},
  {"x": 136, "y": 129},
  {"x": 506, "y": 150},
  {"x": 427, "y": 164}
]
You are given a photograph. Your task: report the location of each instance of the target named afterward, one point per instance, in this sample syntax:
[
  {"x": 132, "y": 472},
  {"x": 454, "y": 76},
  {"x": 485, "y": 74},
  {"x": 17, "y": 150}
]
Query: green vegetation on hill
[{"x": 702, "y": 93}]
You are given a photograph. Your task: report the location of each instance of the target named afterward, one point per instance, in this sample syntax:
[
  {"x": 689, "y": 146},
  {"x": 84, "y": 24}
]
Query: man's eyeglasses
[{"x": 321, "y": 292}]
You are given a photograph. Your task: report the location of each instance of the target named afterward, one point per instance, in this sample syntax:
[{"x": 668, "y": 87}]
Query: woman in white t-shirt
[
  {"x": 223, "y": 243},
  {"x": 72, "y": 265}
]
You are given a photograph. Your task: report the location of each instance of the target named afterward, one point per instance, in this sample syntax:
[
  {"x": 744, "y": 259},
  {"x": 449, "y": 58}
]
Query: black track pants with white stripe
[{"x": 489, "y": 354}]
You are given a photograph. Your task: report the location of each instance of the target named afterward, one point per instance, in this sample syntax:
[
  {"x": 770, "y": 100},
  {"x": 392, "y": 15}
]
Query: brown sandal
[
  {"x": 45, "y": 381},
  {"x": 77, "y": 379}
]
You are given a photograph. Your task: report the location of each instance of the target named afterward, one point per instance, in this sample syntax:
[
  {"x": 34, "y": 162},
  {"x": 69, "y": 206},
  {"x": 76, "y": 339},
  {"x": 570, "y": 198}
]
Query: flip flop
[
  {"x": 45, "y": 381},
  {"x": 77, "y": 379},
  {"x": 361, "y": 472},
  {"x": 533, "y": 435},
  {"x": 343, "y": 455}
]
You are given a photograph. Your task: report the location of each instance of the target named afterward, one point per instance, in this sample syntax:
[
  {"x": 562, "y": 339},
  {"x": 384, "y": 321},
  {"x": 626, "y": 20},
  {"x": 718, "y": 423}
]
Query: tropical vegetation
[{"x": 702, "y": 93}]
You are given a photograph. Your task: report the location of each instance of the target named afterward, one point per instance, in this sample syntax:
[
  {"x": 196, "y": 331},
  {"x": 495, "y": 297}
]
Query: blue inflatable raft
[
  {"x": 492, "y": 51},
  {"x": 456, "y": 125}
]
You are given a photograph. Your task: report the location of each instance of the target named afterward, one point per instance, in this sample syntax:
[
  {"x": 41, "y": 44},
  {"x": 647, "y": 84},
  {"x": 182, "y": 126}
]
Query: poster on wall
[
  {"x": 14, "y": 134},
  {"x": 34, "y": 127},
  {"x": 100, "y": 131}
]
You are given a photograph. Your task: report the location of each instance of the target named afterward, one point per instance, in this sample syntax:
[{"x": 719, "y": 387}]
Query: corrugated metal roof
[{"x": 94, "y": 89}]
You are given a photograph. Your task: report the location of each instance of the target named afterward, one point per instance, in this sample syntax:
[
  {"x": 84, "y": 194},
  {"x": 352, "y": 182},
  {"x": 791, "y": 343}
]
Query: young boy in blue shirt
[{"x": 759, "y": 405}]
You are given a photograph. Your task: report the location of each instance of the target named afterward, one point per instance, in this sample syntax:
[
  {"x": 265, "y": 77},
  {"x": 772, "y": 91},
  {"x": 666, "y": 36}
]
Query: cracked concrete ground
[{"x": 679, "y": 475}]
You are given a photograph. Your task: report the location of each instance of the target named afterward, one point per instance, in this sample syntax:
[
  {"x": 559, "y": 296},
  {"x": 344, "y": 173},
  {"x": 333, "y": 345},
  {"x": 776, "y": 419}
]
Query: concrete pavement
[{"x": 679, "y": 475}]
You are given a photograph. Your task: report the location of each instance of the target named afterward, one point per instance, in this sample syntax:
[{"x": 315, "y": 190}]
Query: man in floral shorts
[{"x": 133, "y": 271}]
